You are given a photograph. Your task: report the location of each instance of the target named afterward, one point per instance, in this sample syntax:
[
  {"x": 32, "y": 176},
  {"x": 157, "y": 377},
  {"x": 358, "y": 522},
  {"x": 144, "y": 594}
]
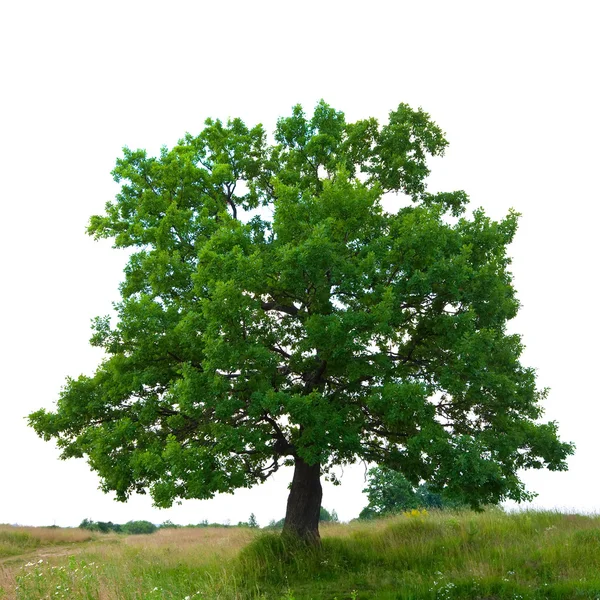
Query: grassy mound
[{"x": 491, "y": 555}]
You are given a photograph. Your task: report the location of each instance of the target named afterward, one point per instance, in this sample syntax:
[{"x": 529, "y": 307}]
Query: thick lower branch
[{"x": 284, "y": 308}]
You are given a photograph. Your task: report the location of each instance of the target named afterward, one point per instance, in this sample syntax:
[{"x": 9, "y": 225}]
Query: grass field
[
  {"x": 450, "y": 556},
  {"x": 19, "y": 540}
]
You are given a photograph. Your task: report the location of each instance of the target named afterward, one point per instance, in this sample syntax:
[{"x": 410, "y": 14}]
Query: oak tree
[{"x": 273, "y": 313}]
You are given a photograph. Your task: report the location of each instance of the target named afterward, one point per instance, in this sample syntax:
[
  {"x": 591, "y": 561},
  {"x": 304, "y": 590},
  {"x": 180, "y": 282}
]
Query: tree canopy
[
  {"x": 389, "y": 492},
  {"x": 274, "y": 313}
]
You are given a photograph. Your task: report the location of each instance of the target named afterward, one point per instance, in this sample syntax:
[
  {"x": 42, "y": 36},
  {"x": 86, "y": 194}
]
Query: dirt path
[{"x": 46, "y": 552}]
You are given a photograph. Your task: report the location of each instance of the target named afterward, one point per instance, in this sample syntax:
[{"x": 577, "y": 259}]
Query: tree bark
[{"x": 304, "y": 502}]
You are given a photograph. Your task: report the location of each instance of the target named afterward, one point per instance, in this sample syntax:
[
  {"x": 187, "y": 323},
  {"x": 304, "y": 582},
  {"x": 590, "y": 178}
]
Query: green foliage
[
  {"x": 168, "y": 525},
  {"x": 205, "y": 523},
  {"x": 324, "y": 517},
  {"x": 273, "y": 524},
  {"x": 389, "y": 492},
  {"x": 101, "y": 526},
  {"x": 319, "y": 327},
  {"x": 328, "y": 517},
  {"x": 251, "y": 523},
  {"x": 138, "y": 527}
]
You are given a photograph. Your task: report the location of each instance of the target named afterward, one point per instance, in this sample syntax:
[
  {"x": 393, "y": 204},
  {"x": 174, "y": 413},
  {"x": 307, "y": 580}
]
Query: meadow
[{"x": 414, "y": 556}]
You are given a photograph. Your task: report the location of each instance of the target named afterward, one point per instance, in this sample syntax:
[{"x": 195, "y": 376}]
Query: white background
[{"x": 513, "y": 85}]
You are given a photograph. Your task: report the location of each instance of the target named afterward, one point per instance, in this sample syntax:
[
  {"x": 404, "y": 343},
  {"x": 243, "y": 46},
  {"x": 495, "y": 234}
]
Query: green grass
[
  {"x": 489, "y": 555},
  {"x": 20, "y": 540},
  {"x": 449, "y": 556},
  {"x": 17, "y": 542}
]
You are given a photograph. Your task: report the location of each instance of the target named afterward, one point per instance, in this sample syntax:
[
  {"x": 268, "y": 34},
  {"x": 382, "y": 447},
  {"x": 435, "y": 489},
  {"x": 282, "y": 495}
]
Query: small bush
[{"x": 138, "y": 527}]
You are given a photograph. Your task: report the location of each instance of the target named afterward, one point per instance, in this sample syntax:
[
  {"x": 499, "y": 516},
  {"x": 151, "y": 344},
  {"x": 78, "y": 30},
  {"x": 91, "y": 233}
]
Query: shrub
[{"x": 138, "y": 527}]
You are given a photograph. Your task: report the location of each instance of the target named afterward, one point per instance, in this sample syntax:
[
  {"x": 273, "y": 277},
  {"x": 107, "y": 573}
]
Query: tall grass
[
  {"x": 18, "y": 540},
  {"x": 450, "y": 556},
  {"x": 462, "y": 555},
  {"x": 171, "y": 563}
]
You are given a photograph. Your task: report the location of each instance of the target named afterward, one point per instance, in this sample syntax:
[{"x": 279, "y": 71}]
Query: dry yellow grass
[
  {"x": 182, "y": 538},
  {"x": 49, "y": 535},
  {"x": 7, "y": 581},
  {"x": 198, "y": 547}
]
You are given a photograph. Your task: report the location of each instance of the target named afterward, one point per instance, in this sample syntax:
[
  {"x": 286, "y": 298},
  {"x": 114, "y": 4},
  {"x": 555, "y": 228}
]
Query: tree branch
[
  {"x": 290, "y": 310},
  {"x": 282, "y": 447},
  {"x": 280, "y": 351}
]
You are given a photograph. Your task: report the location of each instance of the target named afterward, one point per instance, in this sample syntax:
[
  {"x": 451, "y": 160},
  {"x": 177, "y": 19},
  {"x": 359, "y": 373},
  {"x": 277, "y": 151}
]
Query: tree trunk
[{"x": 304, "y": 502}]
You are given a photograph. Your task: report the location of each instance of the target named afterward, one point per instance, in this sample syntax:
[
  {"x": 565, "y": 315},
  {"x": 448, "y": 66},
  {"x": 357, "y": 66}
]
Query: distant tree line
[
  {"x": 145, "y": 527},
  {"x": 324, "y": 517},
  {"x": 129, "y": 528}
]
